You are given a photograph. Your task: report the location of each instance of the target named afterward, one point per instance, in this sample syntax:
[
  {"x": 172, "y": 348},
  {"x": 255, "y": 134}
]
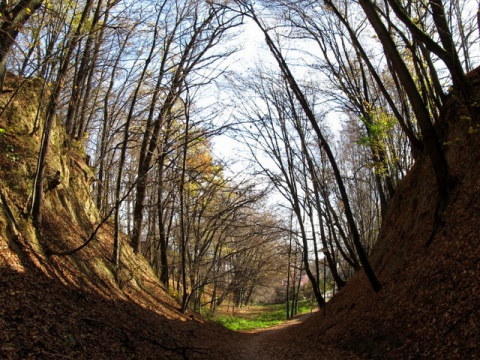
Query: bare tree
[{"x": 197, "y": 40}]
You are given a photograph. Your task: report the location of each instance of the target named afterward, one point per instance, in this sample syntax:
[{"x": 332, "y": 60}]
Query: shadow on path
[
  {"x": 281, "y": 342},
  {"x": 260, "y": 339}
]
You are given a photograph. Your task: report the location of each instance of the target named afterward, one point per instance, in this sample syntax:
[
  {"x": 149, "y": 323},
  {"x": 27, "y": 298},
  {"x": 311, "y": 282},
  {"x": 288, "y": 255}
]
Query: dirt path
[
  {"x": 258, "y": 345},
  {"x": 286, "y": 341}
]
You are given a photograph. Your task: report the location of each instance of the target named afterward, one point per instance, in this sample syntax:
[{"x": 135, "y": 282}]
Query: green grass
[
  {"x": 258, "y": 317},
  {"x": 305, "y": 307},
  {"x": 236, "y": 323}
]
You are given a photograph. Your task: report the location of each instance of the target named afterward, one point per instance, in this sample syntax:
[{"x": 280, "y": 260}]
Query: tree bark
[{"x": 37, "y": 205}]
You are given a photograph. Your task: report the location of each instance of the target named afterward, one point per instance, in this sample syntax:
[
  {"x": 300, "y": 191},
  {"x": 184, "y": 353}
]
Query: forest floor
[{"x": 44, "y": 318}]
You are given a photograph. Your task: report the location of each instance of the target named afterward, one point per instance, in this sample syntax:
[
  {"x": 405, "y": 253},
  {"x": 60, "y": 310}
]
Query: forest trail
[
  {"x": 283, "y": 341},
  {"x": 260, "y": 338},
  {"x": 75, "y": 307}
]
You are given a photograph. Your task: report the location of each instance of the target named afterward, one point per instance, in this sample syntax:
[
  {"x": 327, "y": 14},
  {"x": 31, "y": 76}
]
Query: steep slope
[
  {"x": 59, "y": 302},
  {"x": 429, "y": 307}
]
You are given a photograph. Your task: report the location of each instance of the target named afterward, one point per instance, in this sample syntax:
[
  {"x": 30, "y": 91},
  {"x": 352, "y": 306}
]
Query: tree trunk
[
  {"x": 106, "y": 125},
  {"x": 376, "y": 286},
  {"x": 183, "y": 214},
  {"x": 37, "y": 204},
  {"x": 163, "y": 233}
]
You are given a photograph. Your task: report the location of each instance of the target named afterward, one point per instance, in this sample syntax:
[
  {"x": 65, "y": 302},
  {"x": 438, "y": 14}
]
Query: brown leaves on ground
[{"x": 43, "y": 317}]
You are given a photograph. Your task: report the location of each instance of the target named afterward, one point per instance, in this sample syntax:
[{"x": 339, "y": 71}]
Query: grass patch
[
  {"x": 305, "y": 306},
  {"x": 258, "y": 317},
  {"x": 237, "y": 323}
]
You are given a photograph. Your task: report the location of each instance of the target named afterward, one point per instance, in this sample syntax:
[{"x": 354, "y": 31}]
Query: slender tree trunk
[
  {"x": 37, "y": 206},
  {"x": 306, "y": 261},
  {"x": 416, "y": 144},
  {"x": 331, "y": 263},
  {"x": 162, "y": 229},
  {"x": 146, "y": 152},
  {"x": 84, "y": 122},
  {"x": 333, "y": 221},
  {"x": 478, "y": 19},
  {"x": 82, "y": 74},
  {"x": 106, "y": 125},
  {"x": 183, "y": 214},
  {"x": 317, "y": 190},
  {"x": 289, "y": 255},
  {"x": 116, "y": 242}
]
